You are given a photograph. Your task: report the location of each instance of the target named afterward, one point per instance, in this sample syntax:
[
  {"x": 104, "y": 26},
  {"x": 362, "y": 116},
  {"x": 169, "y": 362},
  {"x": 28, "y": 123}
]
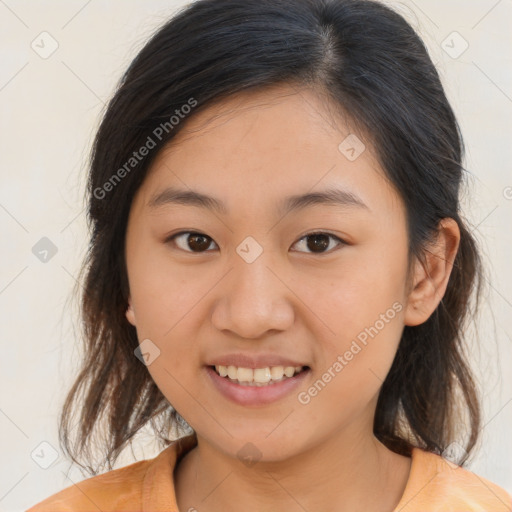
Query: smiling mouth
[{"x": 258, "y": 377}]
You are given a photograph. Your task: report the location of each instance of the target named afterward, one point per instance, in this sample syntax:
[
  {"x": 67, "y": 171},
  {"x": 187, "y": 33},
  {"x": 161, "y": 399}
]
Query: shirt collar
[{"x": 158, "y": 493}]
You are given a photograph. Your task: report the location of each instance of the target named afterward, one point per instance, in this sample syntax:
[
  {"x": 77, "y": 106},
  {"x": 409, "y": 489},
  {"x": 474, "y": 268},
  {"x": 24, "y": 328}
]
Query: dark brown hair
[{"x": 372, "y": 64}]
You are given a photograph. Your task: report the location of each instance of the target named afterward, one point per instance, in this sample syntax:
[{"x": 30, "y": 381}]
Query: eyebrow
[{"x": 333, "y": 197}]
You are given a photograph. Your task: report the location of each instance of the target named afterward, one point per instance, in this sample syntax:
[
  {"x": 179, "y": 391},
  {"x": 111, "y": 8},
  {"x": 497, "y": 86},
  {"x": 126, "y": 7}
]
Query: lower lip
[{"x": 256, "y": 395}]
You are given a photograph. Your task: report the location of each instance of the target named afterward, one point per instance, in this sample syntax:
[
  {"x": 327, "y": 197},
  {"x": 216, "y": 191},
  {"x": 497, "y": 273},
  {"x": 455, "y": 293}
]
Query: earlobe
[
  {"x": 130, "y": 314},
  {"x": 431, "y": 276}
]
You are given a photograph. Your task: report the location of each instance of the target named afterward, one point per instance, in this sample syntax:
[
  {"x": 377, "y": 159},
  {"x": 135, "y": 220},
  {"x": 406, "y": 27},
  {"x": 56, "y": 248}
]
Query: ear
[
  {"x": 431, "y": 276},
  {"x": 130, "y": 314}
]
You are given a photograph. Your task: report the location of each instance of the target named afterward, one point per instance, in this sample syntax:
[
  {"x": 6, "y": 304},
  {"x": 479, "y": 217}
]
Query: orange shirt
[{"x": 147, "y": 486}]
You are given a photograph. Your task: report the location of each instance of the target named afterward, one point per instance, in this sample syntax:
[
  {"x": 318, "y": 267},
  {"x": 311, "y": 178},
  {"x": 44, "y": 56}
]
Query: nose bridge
[
  {"x": 253, "y": 299},
  {"x": 253, "y": 261}
]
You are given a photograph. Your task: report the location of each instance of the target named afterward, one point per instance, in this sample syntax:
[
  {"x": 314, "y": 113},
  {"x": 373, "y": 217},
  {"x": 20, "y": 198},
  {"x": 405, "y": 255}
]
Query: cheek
[
  {"x": 360, "y": 306},
  {"x": 164, "y": 292},
  {"x": 354, "y": 362},
  {"x": 169, "y": 302},
  {"x": 352, "y": 296}
]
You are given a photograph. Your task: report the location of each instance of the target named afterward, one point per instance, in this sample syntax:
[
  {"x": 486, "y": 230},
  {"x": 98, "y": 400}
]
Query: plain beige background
[{"x": 50, "y": 106}]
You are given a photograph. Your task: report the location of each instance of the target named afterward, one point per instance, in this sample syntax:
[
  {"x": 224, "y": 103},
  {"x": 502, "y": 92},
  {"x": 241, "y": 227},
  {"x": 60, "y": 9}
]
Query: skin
[{"x": 320, "y": 456}]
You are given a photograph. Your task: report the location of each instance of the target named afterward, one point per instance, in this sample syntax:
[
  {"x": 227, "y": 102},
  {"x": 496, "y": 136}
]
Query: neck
[{"x": 350, "y": 471}]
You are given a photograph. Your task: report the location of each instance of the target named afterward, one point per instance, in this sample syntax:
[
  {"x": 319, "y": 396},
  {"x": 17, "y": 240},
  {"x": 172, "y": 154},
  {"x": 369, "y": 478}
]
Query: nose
[{"x": 253, "y": 300}]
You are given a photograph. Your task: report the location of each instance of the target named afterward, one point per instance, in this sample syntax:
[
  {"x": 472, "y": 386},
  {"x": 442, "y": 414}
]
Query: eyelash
[{"x": 330, "y": 235}]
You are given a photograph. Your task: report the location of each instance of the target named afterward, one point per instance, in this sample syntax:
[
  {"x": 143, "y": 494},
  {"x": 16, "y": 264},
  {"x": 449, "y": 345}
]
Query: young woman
[{"x": 279, "y": 270}]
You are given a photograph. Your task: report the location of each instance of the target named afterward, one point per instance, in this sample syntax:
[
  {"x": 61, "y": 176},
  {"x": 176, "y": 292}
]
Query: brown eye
[
  {"x": 191, "y": 241},
  {"x": 195, "y": 242},
  {"x": 317, "y": 243}
]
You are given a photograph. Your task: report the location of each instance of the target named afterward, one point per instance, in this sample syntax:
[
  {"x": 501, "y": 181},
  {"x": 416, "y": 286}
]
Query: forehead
[
  {"x": 306, "y": 116},
  {"x": 280, "y": 141}
]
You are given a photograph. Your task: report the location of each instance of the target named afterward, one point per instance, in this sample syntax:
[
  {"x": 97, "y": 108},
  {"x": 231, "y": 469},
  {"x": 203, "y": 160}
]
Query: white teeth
[
  {"x": 277, "y": 372},
  {"x": 289, "y": 371},
  {"x": 258, "y": 376},
  {"x": 232, "y": 373},
  {"x": 244, "y": 374}
]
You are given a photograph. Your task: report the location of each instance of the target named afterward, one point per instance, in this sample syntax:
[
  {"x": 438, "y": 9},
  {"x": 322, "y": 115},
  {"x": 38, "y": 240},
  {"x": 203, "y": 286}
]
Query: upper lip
[{"x": 253, "y": 361}]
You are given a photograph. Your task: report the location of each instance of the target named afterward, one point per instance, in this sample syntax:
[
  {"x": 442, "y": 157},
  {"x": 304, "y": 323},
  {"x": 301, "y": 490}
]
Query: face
[{"x": 321, "y": 284}]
